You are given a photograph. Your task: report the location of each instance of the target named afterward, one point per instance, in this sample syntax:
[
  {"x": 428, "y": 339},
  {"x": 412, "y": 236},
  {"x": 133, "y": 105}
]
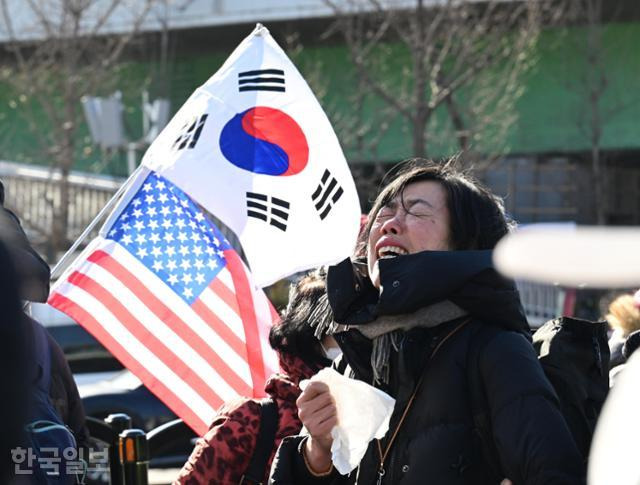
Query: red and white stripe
[{"x": 193, "y": 357}]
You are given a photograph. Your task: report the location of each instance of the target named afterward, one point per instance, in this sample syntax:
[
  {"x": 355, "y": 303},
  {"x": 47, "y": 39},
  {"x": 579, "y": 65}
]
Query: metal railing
[
  {"x": 541, "y": 302},
  {"x": 33, "y": 192}
]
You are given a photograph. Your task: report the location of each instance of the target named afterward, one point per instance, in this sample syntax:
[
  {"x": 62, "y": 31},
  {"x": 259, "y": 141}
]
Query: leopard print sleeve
[{"x": 221, "y": 456}]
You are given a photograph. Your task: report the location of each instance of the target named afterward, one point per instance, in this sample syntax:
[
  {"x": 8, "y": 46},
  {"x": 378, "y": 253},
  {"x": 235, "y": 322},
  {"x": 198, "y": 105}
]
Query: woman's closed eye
[
  {"x": 418, "y": 208},
  {"x": 420, "y": 212},
  {"x": 385, "y": 213}
]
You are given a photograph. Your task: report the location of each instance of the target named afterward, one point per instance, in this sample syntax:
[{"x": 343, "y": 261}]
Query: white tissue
[{"x": 363, "y": 414}]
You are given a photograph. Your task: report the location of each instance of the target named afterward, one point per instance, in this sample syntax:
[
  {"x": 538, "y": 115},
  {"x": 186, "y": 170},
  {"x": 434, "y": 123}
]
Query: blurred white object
[
  {"x": 363, "y": 414},
  {"x": 95, "y": 383},
  {"x": 601, "y": 257},
  {"x": 104, "y": 117},
  {"x": 614, "y": 452},
  {"x": 155, "y": 116},
  {"x": 49, "y": 316}
]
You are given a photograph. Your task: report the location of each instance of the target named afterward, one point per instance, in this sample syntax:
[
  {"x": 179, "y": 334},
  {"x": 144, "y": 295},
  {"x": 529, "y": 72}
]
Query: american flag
[{"x": 165, "y": 293}]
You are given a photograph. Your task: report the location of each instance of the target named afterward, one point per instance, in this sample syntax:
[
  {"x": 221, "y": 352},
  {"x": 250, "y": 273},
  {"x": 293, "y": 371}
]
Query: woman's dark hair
[
  {"x": 308, "y": 309},
  {"x": 477, "y": 217}
]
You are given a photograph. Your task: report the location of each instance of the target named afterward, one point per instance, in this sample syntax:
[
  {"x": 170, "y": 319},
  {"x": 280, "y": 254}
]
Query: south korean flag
[{"x": 254, "y": 148}]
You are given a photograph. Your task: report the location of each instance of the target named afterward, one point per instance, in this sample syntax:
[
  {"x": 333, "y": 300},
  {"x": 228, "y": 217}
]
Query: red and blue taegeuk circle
[{"x": 266, "y": 141}]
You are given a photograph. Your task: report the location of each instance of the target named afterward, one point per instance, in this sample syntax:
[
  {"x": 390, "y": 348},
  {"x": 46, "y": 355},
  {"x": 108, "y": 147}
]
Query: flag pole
[{"x": 62, "y": 264}]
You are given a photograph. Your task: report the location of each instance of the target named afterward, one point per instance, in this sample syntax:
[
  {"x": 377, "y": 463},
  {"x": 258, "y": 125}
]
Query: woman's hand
[{"x": 318, "y": 413}]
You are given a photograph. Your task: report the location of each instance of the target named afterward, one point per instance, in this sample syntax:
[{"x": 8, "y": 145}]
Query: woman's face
[{"x": 416, "y": 220}]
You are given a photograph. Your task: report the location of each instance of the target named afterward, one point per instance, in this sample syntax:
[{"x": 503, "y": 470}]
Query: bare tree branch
[
  {"x": 453, "y": 47},
  {"x": 74, "y": 57},
  {"x": 597, "y": 104}
]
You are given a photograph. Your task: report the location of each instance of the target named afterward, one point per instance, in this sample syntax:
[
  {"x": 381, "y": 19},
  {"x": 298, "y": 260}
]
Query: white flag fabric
[{"x": 254, "y": 148}]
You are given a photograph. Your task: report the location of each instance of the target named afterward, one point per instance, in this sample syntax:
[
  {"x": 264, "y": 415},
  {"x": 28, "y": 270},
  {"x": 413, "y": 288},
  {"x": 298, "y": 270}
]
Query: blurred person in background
[
  {"x": 33, "y": 276},
  {"x": 33, "y": 270},
  {"x": 14, "y": 355},
  {"x": 624, "y": 320},
  {"x": 223, "y": 454}
]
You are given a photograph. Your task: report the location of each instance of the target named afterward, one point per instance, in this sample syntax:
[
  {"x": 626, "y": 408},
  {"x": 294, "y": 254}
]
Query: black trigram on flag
[
  {"x": 270, "y": 209},
  {"x": 326, "y": 194},
  {"x": 261, "y": 80},
  {"x": 190, "y": 133}
]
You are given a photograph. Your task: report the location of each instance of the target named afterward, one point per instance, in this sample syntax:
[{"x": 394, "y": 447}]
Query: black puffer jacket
[{"x": 437, "y": 442}]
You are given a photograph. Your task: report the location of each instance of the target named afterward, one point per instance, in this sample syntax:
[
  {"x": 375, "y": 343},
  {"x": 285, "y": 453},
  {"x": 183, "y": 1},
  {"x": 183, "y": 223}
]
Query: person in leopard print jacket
[{"x": 222, "y": 455}]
